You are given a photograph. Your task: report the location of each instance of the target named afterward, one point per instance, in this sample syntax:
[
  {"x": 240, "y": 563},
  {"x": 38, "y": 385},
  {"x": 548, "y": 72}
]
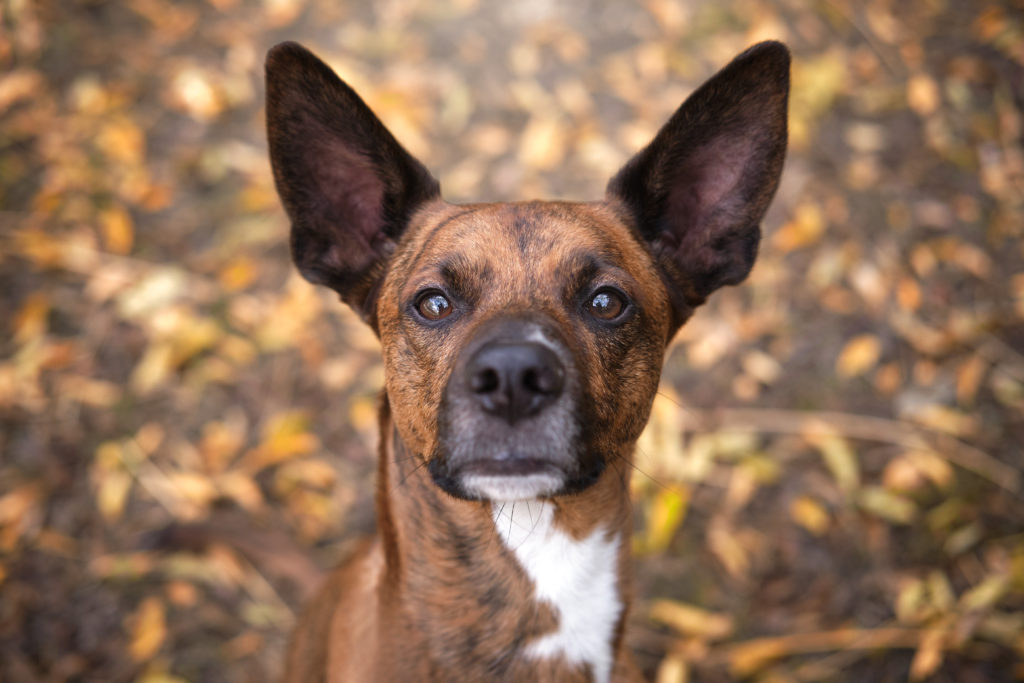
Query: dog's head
[{"x": 523, "y": 342}]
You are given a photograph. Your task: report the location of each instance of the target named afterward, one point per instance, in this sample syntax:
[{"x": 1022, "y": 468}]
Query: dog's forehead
[{"x": 523, "y": 239}]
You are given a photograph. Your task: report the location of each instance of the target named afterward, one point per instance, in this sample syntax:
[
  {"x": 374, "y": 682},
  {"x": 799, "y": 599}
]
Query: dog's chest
[{"x": 577, "y": 578}]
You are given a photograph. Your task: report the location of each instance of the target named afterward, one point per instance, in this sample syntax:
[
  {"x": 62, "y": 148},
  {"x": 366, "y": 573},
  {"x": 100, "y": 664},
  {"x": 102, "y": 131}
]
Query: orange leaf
[
  {"x": 149, "y": 630},
  {"x": 118, "y": 231},
  {"x": 858, "y": 356}
]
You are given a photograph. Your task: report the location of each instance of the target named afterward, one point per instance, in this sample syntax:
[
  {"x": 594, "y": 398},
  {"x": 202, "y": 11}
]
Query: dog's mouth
[{"x": 511, "y": 465}]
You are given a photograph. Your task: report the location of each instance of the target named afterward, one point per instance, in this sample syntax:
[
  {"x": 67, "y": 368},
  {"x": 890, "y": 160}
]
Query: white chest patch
[{"x": 577, "y": 578}]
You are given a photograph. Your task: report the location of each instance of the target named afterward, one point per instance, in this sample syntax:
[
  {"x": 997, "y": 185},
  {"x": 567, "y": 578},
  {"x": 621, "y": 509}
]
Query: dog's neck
[{"x": 506, "y": 589}]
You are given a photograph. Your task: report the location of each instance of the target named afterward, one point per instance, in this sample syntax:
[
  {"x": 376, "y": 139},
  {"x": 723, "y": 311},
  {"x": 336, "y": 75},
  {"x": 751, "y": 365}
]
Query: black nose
[{"x": 514, "y": 380}]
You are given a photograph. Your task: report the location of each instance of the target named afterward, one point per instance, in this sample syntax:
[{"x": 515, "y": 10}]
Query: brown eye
[
  {"x": 434, "y": 306},
  {"x": 607, "y": 305}
]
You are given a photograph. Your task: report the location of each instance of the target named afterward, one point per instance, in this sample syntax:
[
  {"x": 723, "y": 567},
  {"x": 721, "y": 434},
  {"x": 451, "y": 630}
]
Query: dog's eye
[
  {"x": 434, "y": 306},
  {"x": 607, "y": 304}
]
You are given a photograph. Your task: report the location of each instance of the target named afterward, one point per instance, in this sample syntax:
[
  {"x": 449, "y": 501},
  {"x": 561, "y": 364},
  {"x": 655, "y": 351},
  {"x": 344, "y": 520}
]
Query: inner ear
[
  {"x": 699, "y": 190},
  {"x": 348, "y": 186}
]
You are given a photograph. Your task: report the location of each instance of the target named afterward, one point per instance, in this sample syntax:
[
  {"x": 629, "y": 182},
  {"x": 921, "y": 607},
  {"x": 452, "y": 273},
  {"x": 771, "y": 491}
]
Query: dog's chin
[{"x": 511, "y": 479}]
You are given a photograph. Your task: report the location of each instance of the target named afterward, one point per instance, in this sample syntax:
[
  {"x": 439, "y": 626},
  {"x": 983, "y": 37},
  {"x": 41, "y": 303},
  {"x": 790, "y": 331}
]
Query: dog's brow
[
  {"x": 578, "y": 269},
  {"x": 464, "y": 277}
]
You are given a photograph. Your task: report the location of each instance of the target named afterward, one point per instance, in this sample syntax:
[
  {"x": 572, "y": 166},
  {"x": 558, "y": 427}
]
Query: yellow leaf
[
  {"x": 543, "y": 143},
  {"x": 117, "y": 229},
  {"x": 17, "y": 504},
  {"x": 673, "y": 669},
  {"x": 839, "y": 457},
  {"x": 923, "y": 94},
  {"x": 986, "y": 594},
  {"x": 804, "y": 229},
  {"x": 310, "y": 472},
  {"x": 193, "y": 486},
  {"x": 932, "y": 466},
  {"x": 901, "y": 475},
  {"x": 939, "y": 591},
  {"x": 968, "y": 378},
  {"x": 692, "y": 621},
  {"x": 912, "y": 606},
  {"x": 929, "y": 654},
  {"x": 192, "y": 91},
  {"x": 19, "y": 84},
  {"x": 286, "y": 436},
  {"x": 665, "y": 513},
  {"x": 240, "y": 487},
  {"x": 220, "y": 442},
  {"x": 809, "y": 514},
  {"x": 762, "y": 367},
  {"x": 858, "y": 356},
  {"x": 112, "y": 492},
  {"x": 149, "y": 629},
  {"x": 94, "y": 392},
  {"x": 239, "y": 273},
  {"x": 730, "y": 551},
  {"x": 30, "y": 321},
  {"x": 122, "y": 140},
  {"x": 153, "y": 368},
  {"x": 887, "y": 505},
  {"x": 660, "y": 446},
  {"x": 945, "y": 419}
]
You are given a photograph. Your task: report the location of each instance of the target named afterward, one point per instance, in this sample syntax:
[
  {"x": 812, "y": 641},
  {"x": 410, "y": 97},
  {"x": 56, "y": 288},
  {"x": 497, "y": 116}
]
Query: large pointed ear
[
  {"x": 347, "y": 185},
  {"x": 698, "y": 191}
]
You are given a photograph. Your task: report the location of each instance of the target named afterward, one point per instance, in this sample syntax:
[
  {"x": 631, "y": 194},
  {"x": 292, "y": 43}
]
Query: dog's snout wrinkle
[{"x": 514, "y": 380}]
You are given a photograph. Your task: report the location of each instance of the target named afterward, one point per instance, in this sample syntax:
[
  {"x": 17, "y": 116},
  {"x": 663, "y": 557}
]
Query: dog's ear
[
  {"x": 348, "y": 186},
  {"x": 698, "y": 191}
]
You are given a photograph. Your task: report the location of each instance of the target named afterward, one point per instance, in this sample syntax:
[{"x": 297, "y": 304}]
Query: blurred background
[{"x": 830, "y": 488}]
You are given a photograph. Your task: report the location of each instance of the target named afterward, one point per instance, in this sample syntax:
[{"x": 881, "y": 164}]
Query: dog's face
[{"x": 523, "y": 342}]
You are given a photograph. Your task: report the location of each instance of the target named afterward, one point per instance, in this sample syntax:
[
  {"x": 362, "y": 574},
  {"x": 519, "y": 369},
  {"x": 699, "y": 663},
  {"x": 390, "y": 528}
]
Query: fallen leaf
[
  {"x": 665, "y": 513},
  {"x": 809, "y": 514},
  {"x": 858, "y": 356},
  {"x": 148, "y": 630},
  {"x": 691, "y": 620}
]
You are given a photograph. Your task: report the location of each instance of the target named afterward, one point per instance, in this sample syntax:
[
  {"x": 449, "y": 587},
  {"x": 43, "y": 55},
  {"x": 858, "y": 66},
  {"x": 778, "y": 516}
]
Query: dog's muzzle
[{"x": 509, "y": 427}]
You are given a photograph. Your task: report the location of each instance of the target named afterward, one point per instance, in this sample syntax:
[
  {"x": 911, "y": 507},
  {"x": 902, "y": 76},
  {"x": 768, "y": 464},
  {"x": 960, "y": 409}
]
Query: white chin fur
[{"x": 511, "y": 487}]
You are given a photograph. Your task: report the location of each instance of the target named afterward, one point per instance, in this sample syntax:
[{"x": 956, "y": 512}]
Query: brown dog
[{"x": 522, "y": 346}]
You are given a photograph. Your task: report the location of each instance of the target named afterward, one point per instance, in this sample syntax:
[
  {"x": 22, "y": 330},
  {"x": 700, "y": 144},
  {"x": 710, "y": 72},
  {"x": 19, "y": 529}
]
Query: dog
[{"x": 522, "y": 344}]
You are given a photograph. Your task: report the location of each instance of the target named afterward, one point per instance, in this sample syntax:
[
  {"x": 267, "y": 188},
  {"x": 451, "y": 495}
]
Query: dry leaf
[
  {"x": 665, "y": 513},
  {"x": 809, "y": 514},
  {"x": 928, "y": 657},
  {"x": 887, "y": 505},
  {"x": 543, "y": 143},
  {"x": 691, "y": 620},
  {"x": 805, "y": 228},
  {"x": 148, "y": 630},
  {"x": 30, "y": 321},
  {"x": 858, "y": 356},
  {"x": 838, "y": 455},
  {"x": 923, "y": 94}
]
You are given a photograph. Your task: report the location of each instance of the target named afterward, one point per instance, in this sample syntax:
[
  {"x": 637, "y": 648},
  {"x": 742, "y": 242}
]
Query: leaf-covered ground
[{"x": 832, "y": 485}]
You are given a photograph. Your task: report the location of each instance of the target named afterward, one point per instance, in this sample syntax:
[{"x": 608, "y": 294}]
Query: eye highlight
[
  {"x": 606, "y": 304},
  {"x": 434, "y": 306}
]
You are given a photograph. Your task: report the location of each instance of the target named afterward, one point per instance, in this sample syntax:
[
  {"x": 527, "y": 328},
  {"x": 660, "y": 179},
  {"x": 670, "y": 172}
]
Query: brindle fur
[{"x": 436, "y": 596}]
